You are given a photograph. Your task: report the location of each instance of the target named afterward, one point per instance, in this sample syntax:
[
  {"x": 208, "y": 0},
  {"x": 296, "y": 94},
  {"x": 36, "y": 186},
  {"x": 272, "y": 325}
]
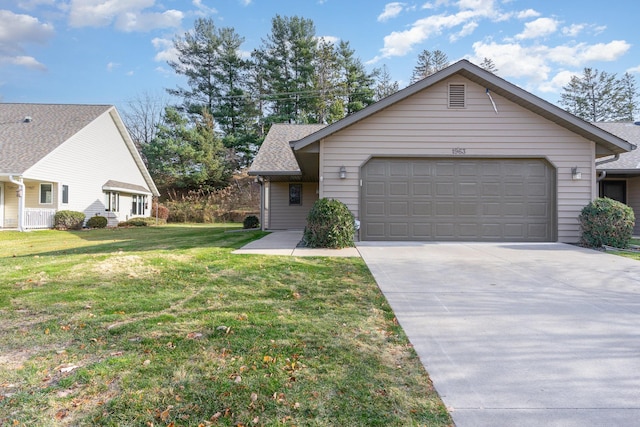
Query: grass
[
  {"x": 628, "y": 254},
  {"x": 164, "y": 326}
]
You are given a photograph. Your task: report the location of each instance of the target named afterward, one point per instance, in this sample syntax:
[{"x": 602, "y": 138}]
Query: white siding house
[{"x": 69, "y": 157}]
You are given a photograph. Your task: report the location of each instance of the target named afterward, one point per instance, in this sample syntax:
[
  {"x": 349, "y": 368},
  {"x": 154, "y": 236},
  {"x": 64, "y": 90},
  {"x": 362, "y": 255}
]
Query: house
[
  {"x": 619, "y": 176},
  {"x": 461, "y": 155},
  {"x": 68, "y": 157}
]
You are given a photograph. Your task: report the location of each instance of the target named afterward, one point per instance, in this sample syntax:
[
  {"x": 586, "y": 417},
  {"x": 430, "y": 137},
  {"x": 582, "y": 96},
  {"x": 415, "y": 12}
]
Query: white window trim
[{"x": 40, "y": 193}]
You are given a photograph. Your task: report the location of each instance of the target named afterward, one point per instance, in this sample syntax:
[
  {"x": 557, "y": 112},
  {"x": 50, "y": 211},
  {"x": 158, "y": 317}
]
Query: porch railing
[{"x": 38, "y": 218}]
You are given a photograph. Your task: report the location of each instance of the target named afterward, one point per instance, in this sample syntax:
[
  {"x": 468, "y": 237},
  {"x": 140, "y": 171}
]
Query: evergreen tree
[
  {"x": 384, "y": 85},
  {"x": 596, "y": 97},
  {"x": 629, "y": 102},
  {"x": 488, "y": 65},
  {"x": 356, "y": 83},
  {"x": 186, "y": 155},
  {"x": 429, "y": 63},
  {"x": 288, "y": 53},
  {"x": 325, "y": 82}
]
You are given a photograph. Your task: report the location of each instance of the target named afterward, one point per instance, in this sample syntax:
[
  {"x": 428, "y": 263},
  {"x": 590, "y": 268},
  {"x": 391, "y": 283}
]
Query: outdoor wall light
[
  {"x": 575, "y": 174},
  {"x": 343, "y": 172}
]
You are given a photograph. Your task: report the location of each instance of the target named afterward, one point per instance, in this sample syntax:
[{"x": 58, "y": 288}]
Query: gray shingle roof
[
  {"x": 629, "y": 132},
  {"x": 28, "y": 132},
  {"x": 275, "y": 156}
]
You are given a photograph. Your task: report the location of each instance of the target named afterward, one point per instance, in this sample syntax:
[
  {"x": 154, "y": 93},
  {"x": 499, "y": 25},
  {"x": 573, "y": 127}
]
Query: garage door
[{"x": 458, "y": 199}]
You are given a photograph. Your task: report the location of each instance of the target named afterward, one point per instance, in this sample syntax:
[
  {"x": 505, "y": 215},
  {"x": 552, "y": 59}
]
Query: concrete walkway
[
  {"x": 285, "y": 243},
  {"x": 519, "y": 334}
]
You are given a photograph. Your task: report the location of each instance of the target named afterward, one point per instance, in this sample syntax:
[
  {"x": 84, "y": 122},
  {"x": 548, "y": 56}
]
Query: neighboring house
[
  {"x": 68, "y": 157},
  {"x": 619, "y": 176},
  {"x": 461, "y": 155}
]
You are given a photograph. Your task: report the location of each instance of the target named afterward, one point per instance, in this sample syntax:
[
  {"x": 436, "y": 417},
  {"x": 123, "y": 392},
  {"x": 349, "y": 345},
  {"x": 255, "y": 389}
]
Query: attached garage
[{"x": 449, "y": 199}]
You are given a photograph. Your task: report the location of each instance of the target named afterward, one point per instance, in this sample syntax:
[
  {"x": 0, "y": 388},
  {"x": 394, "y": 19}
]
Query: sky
[{"x": 116, "y": 51}]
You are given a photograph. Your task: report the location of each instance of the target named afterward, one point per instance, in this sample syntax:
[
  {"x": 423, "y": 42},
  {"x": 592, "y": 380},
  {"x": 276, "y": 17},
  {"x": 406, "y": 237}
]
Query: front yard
[{"x": 165, "y": 326}]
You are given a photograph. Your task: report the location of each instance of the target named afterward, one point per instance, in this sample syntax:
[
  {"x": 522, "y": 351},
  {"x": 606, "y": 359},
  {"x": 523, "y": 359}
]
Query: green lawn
[{"x": 165, "y": 326}]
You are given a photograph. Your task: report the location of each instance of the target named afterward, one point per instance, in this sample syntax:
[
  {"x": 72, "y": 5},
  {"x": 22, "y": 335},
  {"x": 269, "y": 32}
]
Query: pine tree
[
  {"x": 596, "y": 97},
  {"x": 356, "y": 83},
  {"x": 629, "y": 102},
  {"x": 385, "y": 86},
  {"x": 429, "y": 63},
  {"x": 488, "y": 65}
]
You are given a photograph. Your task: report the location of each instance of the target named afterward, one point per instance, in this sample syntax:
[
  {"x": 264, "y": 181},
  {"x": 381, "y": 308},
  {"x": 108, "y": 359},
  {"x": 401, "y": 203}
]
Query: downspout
[
  {"x": 20, "y": 194},
  {"x": 603, "y": 174}
]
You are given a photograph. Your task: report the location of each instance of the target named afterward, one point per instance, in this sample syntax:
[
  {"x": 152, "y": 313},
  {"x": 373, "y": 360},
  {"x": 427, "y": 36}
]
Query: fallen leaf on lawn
[
  {"x": 146, "y": 362},
  {"x": 194, "y": 335},
  {"x": 267, "y": 359},
  {"x": 117, "y": 353},
  {"x": 216, "y": 416},
  {"x": 256, "y": 420},
  {"x": 66, "y": 368},
  {"x": 62, "y": 413},
  {"x": 164, "y": 415},
  {"x": 46, "y": 331},
  {"x": 254, "y": 397},
  {"x": 238, "y": 379}
]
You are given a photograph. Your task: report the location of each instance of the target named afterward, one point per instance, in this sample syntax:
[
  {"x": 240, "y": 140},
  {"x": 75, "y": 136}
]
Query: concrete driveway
[{"x": 519, "y": 334}]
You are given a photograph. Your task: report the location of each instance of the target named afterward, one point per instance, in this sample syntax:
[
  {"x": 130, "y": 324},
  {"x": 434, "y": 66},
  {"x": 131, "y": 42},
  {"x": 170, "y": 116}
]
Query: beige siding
[
  {"x": 282, "y": 216},
  {"x": 633, "y": 199},
  {"x": 85, "y": 163},
  {"x": 423, "y": 126}
]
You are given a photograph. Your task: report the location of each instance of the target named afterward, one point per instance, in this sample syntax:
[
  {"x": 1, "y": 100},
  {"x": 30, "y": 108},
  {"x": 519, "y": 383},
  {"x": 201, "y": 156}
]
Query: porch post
[{"x": 21, "y": 195}]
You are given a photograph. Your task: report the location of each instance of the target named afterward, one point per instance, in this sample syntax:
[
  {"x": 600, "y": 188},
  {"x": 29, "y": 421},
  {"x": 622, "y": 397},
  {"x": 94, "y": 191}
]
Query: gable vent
[{"x": 456, "y": 96}]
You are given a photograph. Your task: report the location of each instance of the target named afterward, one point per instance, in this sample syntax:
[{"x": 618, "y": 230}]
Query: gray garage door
[{"x": 458, "y": 199}]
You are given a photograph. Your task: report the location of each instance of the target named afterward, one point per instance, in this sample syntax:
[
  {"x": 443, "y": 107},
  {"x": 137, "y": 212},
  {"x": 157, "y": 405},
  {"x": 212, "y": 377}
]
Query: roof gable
[
  {"x": 28, "y": 132},
  {"x": 493, "y": 84}
]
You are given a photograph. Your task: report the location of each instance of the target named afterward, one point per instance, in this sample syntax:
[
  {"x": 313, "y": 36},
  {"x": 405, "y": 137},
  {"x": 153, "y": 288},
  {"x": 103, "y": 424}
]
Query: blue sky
[{"x": 112, "y": 51}]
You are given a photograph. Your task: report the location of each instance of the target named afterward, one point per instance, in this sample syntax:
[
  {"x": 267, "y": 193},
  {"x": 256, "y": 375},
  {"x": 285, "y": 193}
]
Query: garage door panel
[{"x": 458, "y": 199}]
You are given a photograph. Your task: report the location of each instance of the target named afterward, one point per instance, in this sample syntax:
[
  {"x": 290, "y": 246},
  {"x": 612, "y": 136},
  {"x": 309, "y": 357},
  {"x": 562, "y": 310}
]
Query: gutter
[
  {"x": 21, "y": 192},
  {"x": 613, "y": 159}
]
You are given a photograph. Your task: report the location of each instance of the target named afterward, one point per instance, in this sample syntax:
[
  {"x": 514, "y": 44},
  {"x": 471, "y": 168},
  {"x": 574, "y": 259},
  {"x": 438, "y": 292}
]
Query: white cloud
[
  {"x": 32, "y": 4},
  {"x": 526, "y": 14},
  {"x": 400, "y": 43},
  {"x": 580, "y": 54},
  {"x": 17, "y": 31},
  {"x": 166, "y": 50},
  {"x": 634, "y": 69},
  {"x": 541, "y": 27},
  {"x": 112, "y": 66},
  {"x": 204, "y": 10},
  {"x": 330, "y": 39},
  {"x": 129, "y": 15},
  {"x": 467, "y": 29},
  {"x": 573, "y": 30},
  {"x": 23, "y": 61},
  {"x": 391, "y": 10},
  {"x": 559, "y": 81}
]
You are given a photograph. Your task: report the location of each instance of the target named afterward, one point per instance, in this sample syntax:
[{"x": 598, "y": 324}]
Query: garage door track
[{"x": 519, "y": 334}]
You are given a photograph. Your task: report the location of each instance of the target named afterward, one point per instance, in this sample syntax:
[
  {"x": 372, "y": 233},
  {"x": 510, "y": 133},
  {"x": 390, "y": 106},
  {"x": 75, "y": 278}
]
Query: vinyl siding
[
  {"x": 423, "y": 126},
  {"x": 85, "y": 163},
  {"x": 633, "y": 199},
  {"x": 282, "y": 216}
]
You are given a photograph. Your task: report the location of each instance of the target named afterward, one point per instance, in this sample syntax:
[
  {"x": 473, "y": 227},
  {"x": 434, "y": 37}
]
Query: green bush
[
  {"x": 330, "y": 224},
  {"x": 68, "y": 220},
  {"x": 97, "y": 222},
  {"x": 606, "y": 222},
  {"x": 135, "y": 222},
  {"x": 251, "y": 221}
]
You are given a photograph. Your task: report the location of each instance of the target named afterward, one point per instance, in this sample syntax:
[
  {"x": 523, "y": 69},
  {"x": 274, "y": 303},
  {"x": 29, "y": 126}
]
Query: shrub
[
  {"x": 251, "y": 221},
  {"x": 135, "y": 222},
  {"x": 330, "y": 224},
  {"x": 163, "y": 211},
  {"x": 97, "y": 222},
  {"x": 68, "y": 220},
  {"x": 606, "y": 222}
]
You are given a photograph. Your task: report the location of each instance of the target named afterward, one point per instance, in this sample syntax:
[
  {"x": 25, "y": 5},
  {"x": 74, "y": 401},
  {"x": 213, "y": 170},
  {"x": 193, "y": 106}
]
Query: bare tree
[{"x": 142, "y": 116}]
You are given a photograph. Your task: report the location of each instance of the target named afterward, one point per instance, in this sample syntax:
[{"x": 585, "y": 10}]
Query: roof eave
[{"x": 274, "y": 173}]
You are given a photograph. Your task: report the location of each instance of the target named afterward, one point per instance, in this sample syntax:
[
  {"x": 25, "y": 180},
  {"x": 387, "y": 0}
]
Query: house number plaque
[{"x": 458, "y": 151}]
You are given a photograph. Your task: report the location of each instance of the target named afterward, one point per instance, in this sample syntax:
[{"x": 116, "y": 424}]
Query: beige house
[
  {"x": 68, "y": 157},
  {"x": 619, "y": 176},
  {"x": 462, "y": 155}
]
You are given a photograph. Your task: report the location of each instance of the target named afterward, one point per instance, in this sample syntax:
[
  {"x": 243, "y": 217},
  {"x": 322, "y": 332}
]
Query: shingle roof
[
  {"x": 629, "y": 132},
  {"x": 275, "y": 156},
  {"x": 118, "y": 185},
  {"x": 28, "y": 132}
]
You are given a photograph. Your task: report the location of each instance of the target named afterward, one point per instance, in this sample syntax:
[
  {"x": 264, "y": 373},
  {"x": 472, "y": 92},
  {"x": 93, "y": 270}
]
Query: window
[
  {"x": 295, "y": 194},
  {"x": 46, "y": 194},
  {"x": 112, "y": 201},
  {"x": 616, "y": 190},
  {"x": 138, "y": 205},
  {"x": 65, "y": 194}
]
